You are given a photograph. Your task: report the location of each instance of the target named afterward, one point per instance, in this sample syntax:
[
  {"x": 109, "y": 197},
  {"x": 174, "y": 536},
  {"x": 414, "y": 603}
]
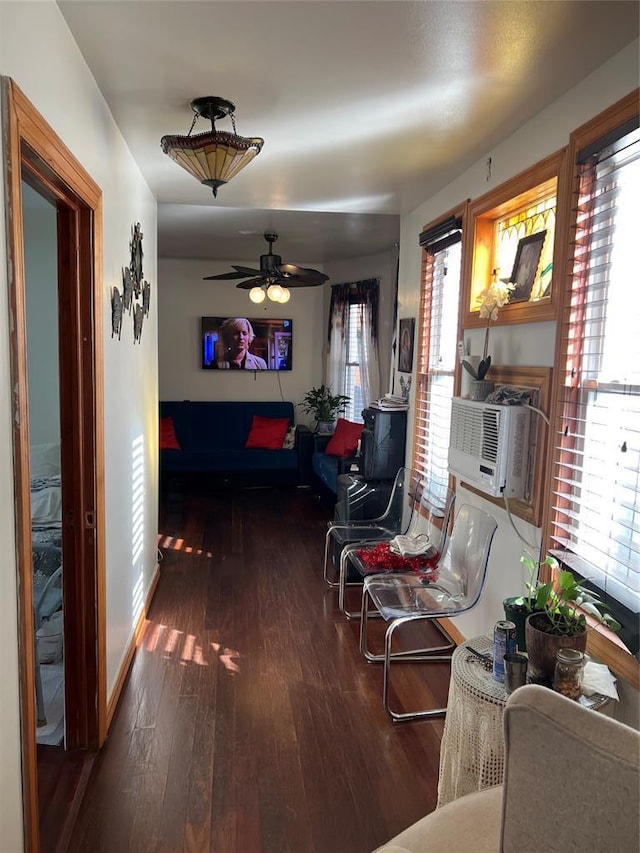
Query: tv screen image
[{"x": 246, "y": 343}]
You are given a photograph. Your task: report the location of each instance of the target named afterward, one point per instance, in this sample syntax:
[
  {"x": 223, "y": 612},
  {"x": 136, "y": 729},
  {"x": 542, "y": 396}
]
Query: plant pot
[
  {"x": 326, "y": 427},
  {"x": 542, "y": 647},
  {"x": 480, "y": 390},
  {"x": 517, "y": 613}
]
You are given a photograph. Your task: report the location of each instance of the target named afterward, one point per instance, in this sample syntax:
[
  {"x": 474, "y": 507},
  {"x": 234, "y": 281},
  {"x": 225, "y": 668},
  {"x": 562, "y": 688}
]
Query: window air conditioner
[{"x": 489, "y": 446}]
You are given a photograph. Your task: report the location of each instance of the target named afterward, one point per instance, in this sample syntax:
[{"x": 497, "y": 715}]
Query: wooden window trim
[
  {"x": 461, "y": 211},
  {"x": 601, "y": 643},
  {"x": 478, "y": 259}
]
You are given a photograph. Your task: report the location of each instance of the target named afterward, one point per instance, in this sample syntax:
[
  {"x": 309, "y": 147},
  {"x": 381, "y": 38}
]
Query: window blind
[
  {"x": 353, "y": 381},
  {"x": 438, "y": 328},
  {"x": 595, "y": 520}
]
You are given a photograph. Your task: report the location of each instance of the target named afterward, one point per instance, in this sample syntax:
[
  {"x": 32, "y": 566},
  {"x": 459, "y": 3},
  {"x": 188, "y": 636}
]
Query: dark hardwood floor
[{"x": 250, "y": 722}]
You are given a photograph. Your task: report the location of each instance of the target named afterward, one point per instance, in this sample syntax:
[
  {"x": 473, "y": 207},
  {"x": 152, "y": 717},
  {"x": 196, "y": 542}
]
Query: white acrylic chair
[
  {"x": 429, "y": 517},
  {"x": 386, "y": 526},
  {"x": 404, "y": 598}
]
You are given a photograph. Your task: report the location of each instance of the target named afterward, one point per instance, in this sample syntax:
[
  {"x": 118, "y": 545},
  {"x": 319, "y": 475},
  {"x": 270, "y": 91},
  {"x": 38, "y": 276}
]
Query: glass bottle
[{"x": 567, "y": 678}]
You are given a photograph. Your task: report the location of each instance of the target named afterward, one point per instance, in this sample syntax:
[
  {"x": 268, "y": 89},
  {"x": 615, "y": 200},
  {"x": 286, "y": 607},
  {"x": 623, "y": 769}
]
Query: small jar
[{"x": 567, "y": 678}]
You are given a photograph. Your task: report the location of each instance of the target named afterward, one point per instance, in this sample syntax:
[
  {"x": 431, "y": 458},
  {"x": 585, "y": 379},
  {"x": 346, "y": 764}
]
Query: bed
[{"x": 46, "y": 541}]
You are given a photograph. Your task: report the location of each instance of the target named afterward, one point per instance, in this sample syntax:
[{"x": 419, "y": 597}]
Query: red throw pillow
[
  {"x": 168, "y": 440},
  {"x": 344, "y": 441},
  {"x": 267, "y": 433}
]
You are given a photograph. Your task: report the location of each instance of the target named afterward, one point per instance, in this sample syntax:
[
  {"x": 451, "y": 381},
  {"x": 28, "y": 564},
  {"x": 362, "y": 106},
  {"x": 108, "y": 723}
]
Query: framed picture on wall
[
  {"x": 525, "y": 266},
  {"x": 405, "y": 352}
]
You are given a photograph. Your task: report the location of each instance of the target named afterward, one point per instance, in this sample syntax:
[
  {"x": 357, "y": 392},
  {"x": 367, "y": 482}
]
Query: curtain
[
  {"x": 352, "y": 351},
  {"x": 337, "y": 338}
]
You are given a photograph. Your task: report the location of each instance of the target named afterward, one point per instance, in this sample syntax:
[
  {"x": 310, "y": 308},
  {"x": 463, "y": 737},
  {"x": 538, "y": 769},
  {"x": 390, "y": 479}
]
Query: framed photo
[
  {"x": 525, "y": 266},
  {"x": 405, "y": 352}
]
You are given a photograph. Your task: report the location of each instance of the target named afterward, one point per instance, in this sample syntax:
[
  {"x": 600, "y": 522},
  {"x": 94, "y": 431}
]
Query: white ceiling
[{"x": 367, "y": 108}]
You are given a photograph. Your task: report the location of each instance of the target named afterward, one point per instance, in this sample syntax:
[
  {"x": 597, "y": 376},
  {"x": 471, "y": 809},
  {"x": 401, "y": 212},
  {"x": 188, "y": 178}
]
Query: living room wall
[{"x": 184, "y": 298}]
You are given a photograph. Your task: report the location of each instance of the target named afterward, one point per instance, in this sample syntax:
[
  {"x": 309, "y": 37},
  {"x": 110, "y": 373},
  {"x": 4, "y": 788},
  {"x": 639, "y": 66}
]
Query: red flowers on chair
[{"x": 380, "y": 558}]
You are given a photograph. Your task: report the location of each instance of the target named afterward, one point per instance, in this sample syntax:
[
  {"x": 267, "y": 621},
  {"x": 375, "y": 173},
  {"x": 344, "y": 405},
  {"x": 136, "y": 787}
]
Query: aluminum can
[{"x": 504, "y": 642}]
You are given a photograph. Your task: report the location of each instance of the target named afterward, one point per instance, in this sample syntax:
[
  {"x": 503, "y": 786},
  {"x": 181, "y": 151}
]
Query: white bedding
[{"x": 46, "y": 501}]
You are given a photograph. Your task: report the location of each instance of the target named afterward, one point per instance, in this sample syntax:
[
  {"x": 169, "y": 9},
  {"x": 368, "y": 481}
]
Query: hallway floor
[{"x": 249, "y": 722}]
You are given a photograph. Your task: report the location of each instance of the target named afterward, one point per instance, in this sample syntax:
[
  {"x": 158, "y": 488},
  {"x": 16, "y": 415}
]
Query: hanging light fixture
[
  {"x": 212, "y": 158},
  {"x": 274, "y": 291}
]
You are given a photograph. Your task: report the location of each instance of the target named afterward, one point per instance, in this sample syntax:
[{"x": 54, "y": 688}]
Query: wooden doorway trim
[{"x": 32, "y": 148}]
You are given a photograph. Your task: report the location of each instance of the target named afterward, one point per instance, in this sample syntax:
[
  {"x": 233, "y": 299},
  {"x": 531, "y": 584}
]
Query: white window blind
[
  {"x": 438, "y": 332},
  {"x": 596, "y": 481},
  {"x": 353, "y": 382}
]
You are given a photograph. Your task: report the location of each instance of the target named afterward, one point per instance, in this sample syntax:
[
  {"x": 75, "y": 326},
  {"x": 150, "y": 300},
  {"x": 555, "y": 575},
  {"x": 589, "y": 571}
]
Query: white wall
[
  {"x": 37, "y": 51},
  {"x": 185, "y": 298},
  {"x": 531, "y": 344}
]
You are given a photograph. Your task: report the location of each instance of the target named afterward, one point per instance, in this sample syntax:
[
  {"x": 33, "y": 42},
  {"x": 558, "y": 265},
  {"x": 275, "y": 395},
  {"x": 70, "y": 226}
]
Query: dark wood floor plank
[{"x": 250, "y": 722}]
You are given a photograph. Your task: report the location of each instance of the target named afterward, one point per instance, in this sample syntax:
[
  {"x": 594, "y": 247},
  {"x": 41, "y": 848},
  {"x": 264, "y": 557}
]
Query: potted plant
[
  {"x": 558, "y": 619},
  {"x": 495, "y": 295},
  {"x": 324, "y": 406},
  {"x": 518, "y": 608}
]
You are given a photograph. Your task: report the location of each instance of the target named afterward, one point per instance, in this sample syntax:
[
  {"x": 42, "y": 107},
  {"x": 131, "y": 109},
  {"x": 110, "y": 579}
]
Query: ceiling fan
[{"x": 272, "y": 273}]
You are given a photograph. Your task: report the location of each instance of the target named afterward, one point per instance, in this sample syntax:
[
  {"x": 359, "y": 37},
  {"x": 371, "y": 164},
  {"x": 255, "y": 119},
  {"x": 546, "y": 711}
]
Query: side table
[{"x": 472, "y": 749}]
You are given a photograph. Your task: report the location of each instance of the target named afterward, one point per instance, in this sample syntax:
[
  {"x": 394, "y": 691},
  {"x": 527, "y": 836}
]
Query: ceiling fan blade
[
  {"x": 304, "y": 273},
  {"x": 240, "y": 272},
  {"x": 224, "y": 275},
  {"x": 298, "y": 281},
  {"x": 247, "y": 270}
]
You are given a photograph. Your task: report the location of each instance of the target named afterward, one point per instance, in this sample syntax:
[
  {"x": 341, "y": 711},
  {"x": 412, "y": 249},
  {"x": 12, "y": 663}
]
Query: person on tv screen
[{"x": 236, "y": 334}]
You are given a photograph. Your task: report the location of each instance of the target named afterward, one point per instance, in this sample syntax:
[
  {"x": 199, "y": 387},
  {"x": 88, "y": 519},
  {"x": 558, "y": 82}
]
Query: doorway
[
  {"x": 39, "y": 227},
  {"x": 37, "y": 157}
]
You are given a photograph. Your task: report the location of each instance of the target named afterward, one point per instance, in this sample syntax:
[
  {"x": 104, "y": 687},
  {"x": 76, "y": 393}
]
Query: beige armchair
[{"x": 572, "y": 783}]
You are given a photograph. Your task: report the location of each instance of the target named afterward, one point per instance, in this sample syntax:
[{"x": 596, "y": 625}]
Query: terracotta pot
[{"x": 542, "y": 648}]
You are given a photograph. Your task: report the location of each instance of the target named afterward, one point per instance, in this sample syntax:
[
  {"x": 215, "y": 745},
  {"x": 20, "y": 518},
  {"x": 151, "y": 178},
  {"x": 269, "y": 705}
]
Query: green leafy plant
[
  {"x": 324, "y": 405},
  {"x": 564, "y": 601}
]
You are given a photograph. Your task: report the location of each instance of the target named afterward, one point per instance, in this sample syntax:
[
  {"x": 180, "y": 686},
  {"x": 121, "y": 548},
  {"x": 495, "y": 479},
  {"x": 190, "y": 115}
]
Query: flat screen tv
[{"x": 246, "y": 343}]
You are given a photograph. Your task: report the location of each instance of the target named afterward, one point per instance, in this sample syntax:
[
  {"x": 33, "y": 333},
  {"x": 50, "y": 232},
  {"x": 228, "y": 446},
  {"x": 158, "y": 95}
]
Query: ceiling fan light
[
  {"x": 212, "y": 158},
  {"x": 274, "y": 292},
  {"x": 285, "y": 296},
  {"x": 256, "y": 294}
]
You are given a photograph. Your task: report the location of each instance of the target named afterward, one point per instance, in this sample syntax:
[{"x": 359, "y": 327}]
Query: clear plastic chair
[
  {"x": 430, "y": 517},
  {"x": 389, "y": 524},
  {"x": 404, "y": 598}
]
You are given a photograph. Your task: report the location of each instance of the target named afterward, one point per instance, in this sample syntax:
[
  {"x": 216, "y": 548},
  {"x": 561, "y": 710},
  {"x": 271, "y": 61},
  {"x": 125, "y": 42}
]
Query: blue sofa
[
  {"x": 212, "y": 436},
  {"x": 327, "y": 469}
]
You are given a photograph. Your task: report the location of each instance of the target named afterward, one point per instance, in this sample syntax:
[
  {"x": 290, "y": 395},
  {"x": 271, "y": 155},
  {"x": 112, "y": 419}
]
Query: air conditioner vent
[
  {"x": 466, "y": 430},
  {"x": 490, "y": 434}
]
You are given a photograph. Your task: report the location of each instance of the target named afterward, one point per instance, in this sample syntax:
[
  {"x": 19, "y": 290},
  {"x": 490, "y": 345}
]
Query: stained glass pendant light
[{"x": 212, "y": 158}]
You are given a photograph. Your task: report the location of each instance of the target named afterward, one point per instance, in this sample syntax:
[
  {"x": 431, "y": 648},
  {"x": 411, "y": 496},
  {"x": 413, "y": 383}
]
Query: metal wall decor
[
  {"x": 136, "y": 293},
  {"x": 116, "y": 313}
]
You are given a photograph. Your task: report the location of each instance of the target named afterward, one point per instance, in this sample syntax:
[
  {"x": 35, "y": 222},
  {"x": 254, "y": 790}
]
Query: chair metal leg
[
  {"x": 325, "y": 570},
  {"x": 419, "y": 655},
  {"x": 365, "y": 615},
  {"x": 343, "y": 583},
  {"x": 440, "y": 654}
]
